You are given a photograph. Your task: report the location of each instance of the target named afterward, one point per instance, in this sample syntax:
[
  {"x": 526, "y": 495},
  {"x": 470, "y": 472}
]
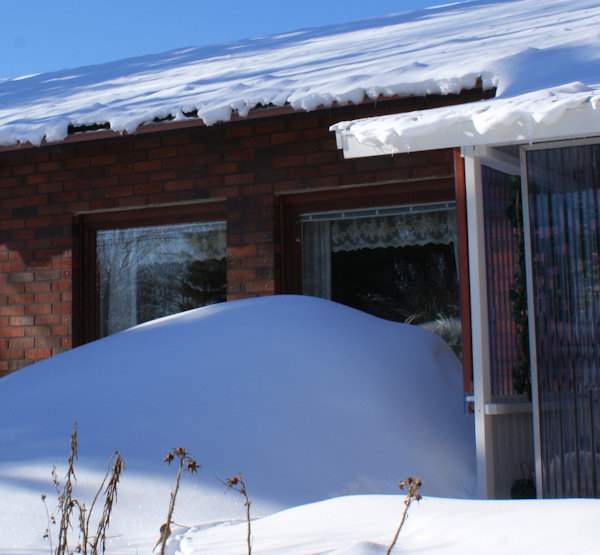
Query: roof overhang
[{"x": 465, "y": 125}]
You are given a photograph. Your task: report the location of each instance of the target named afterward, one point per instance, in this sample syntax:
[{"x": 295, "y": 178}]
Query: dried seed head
[
  {"x": 180, "y": 452},
  {"x": 169, "y": 457},
  {"x": 233, "y": 481},
  {"x": 192, "y": 466}
]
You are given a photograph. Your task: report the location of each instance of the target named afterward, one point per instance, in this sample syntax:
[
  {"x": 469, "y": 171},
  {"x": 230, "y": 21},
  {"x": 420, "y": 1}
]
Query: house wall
[{"x": 247, "y": 163}]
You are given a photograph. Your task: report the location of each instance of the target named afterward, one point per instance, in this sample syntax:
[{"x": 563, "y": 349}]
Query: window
[
  {"x": 145, "y": 264},
  {"x": 398, "y": 263},
  {"x": 391, "y": 250},
  {"x": 148, "y": 272}
]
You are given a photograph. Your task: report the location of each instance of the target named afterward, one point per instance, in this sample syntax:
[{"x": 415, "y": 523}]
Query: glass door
[{"x": 563, "y": 189}]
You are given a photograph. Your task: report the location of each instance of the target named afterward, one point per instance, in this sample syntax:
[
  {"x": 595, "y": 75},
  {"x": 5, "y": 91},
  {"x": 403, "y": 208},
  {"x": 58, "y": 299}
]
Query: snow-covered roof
[
  {"x": 544, "y": 59},
  {"x": 437, "y": 50}
]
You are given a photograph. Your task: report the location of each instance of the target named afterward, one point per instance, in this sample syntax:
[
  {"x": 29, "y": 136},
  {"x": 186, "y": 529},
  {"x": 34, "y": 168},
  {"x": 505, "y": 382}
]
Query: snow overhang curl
[
  {"x": 565, "y": 112},
  {"x": 437, "y": 51}
]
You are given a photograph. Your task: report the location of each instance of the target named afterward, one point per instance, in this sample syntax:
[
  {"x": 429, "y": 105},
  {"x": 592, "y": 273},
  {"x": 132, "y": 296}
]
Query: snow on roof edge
[
  {"x": 517, "y": 46},
  {"x": 568, "y": 112}
]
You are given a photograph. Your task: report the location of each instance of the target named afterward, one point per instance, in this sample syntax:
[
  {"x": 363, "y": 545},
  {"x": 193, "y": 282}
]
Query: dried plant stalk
[
  {"x": 238, "y": 484},
  {"x": 412, "y": 487},
  {"x": 49, "y": 522},
  {"x": 184, "y": 461},
  {"x": 67, "y": 503},
  {"x": 110, "y": 498},
  {"x": 65, "y": 499}
]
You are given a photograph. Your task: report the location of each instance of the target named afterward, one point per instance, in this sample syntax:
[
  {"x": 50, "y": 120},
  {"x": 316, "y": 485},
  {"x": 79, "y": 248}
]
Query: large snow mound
[
  {"x": 514, "y": 45},
  {"x": 308, "y": 398},
  {"x": 364, "y": 525}
]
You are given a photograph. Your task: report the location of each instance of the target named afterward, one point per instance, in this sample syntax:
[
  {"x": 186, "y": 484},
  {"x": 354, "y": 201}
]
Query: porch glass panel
[
  {"x": 507, "y": 300},
  {"x": 564, "y": 197}
]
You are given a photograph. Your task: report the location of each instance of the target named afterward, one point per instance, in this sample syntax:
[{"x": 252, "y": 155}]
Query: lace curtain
[
  {"x": 405, "y": 230},
  {"x": 322, "y": 238}
]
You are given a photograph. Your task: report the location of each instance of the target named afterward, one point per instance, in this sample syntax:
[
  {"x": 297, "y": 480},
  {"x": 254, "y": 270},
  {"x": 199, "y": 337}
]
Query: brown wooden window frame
[
  {"x": 293, "y": 205},
  {"x": 86, "y": 323}
]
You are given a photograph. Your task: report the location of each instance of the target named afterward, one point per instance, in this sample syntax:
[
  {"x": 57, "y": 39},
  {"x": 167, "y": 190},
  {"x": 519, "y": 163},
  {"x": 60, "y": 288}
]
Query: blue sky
[{"x": 44, "y": 35}]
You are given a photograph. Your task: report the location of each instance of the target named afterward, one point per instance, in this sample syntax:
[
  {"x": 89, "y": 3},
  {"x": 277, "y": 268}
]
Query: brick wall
[{"x": 246, "y": 162}]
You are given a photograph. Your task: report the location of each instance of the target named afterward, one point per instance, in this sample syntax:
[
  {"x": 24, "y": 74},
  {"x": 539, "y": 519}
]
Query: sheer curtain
[
  {"x": 320, "y": 239},
  {"x": 316, "y": 259}
]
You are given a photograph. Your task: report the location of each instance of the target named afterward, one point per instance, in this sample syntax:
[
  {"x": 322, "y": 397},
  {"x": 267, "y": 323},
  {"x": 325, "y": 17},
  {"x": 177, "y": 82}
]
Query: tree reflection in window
[{"x": 149, "y": 272}]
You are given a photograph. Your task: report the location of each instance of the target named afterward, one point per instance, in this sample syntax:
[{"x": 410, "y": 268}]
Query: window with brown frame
[
  {"x": 391, "y": 251},
  {"x": 142, "y": 264}
]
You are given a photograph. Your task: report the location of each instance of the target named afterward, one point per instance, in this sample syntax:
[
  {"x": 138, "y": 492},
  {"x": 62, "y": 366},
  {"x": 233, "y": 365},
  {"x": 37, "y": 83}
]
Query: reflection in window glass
[
  {"x": 148, "y": 272},
  {"x": 399, "y": 266}
]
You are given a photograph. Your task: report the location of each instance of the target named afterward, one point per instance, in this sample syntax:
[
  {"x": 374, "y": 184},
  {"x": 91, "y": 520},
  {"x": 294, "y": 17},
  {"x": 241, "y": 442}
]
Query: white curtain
[
  {"x": 316, "y": 259},
  {"x": 405, "y": 230},
  {"x": 322, "y": 238}
]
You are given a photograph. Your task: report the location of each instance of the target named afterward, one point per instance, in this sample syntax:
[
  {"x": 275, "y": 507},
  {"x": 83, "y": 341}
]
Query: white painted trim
[
  {"x": 498, "y": 409},
  {"x": 480, "y": 329},
  {"x": 535, "y": 393},
  {"x": 498, "y": 160},
  {"x": 583, "y": 121},
  {"x": 562, "y": 144}
]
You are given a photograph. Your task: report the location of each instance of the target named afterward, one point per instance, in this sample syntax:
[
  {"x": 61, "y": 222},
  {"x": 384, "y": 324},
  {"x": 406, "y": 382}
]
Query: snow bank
[
  {"x": 364, "y": 525},
  {"x": 308, "y": 398},
  {"x": 517, "y": 46}
]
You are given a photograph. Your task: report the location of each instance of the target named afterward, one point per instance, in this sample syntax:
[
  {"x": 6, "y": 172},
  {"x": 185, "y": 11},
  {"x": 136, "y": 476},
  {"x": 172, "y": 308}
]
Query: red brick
[
  {"x": 37, "y": 331},
  {"x": 21, "y": 343},
  {"x": 241, "y": 275},
  {"x": 239, "y": 179},
  {"x": 179, "y": 185},
  {"x": 37, "y": 354},
  {"x": 21, "y": 320},
  {"x": 148, "y": 165},
  {"x": 47, "y": 319},
  {"x": 242, "y": 251},
  {"x": 284, "y": 138},
  {"x": 36, "y": 179},
  {"x": 221, "y": 169},
  {"x": 12, "y": 331},
  {"x": 288, "y": 161},
  {"x": 13, "y": 354},
  {"x": 13, "y": 310},
  {"x": 38, "y": 309},
  {"x": 264, "y": 286}
]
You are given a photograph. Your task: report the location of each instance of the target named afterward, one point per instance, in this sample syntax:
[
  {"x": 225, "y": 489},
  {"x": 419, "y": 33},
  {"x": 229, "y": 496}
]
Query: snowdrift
[
  {"x": 308, "y": 398},
  {"x": 363, "y": 525}
]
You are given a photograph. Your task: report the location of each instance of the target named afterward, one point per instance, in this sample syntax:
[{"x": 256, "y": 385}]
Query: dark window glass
[
  {"x": 564, "y": 197},
  {"x": 149, "y": 272},
  {"x": 400, "y": 266}
]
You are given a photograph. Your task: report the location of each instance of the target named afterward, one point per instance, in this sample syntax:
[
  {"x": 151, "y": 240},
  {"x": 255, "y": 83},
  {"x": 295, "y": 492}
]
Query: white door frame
[
  {"x": 474, "y": 158},
  {"x": 479, "y": 319}
]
